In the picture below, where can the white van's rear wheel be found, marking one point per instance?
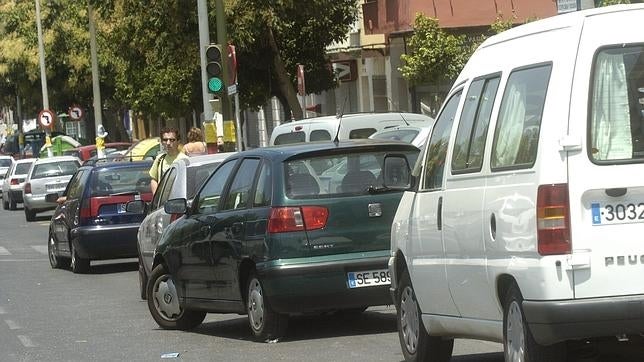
(416, 344)
(518, 343)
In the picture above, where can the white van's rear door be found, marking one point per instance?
(606, 177)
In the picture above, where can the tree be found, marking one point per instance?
(273, 36)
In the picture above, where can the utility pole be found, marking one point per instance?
(98, 109)
(222, 38)
(43, 79)
(204, 41)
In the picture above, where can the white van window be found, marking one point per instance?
(617, 105)
(361, 133)
(287, 138)
(473, 126)
(437, 146)
(517, 129)
(320, 135)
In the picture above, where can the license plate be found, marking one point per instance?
(55, 187)
(617, 213)
(370, 278)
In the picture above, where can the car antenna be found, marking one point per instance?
(404, 120)
(339, 116)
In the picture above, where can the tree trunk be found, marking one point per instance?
(283, 81)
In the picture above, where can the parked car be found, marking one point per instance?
(46, 175)
(5, 163)
(525, 223)
(264, 237)
(182, 180)
(416, 135)
(91, 221)
(89, 151)
(14, 182)
(348, 126)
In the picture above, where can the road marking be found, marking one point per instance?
(2, 310)
(40, 248)
(12, 324)
(4, 251)
(26, 341)
(44, 223)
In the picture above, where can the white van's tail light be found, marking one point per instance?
(553, 220)
(285, 219)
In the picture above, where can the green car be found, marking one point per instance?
(273, 232)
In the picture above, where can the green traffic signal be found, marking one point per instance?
(214, 68)
(215, 85)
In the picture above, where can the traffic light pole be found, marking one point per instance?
(222, 39)
(204, 40)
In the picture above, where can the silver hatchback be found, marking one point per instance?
(47, 175)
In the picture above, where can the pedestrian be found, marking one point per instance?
(195, 145)
(170, 143)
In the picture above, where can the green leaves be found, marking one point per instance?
(433, 53)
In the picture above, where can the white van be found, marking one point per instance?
(525, 224)
(356, 125)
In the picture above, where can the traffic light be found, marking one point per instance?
(214, 68)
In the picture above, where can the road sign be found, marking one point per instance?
(232, 89)
(75, 113)
(345, 70)
(46, 118)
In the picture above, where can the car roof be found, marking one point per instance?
(118, 164)
(285, 152)
(25, 160)
(194, 161)
(57, 159)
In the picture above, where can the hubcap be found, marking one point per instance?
(515, 335)
(255, 305)
(52, 255)
(165, 298)
(409, 323)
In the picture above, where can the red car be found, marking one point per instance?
(87, 152)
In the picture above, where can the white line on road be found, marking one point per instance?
(4, 251)
(26, 341)
(40, 248)
(12, 324)
(2, 310)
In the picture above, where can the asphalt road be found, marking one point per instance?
(55, 315)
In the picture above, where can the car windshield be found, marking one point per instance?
(22, 168)
(326, 176)
(121, 180)
(5, 162)
(53, 169)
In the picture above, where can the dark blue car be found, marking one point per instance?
(91, 221)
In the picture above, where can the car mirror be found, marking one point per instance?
(396, 172)
(175, 206)
(136, 207)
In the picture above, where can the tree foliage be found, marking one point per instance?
(434, 54)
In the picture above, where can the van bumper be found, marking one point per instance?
(556, 321)
(320, 286)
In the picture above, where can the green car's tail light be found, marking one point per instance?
(286, 219)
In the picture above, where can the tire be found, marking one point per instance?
(30, 215)
(163, 303)
(55, 261)
(12, 203)
(5, 203)
(78, 265)
(518, 342)
(143, 281)
(417, 345)
(264, 322)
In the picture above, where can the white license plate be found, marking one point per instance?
(370, 278)
(617, 213)
(55, 187)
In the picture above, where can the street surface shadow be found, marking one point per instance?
(329, 325)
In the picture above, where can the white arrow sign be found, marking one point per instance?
(75, 113)
(46, 118)
(341, 70)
